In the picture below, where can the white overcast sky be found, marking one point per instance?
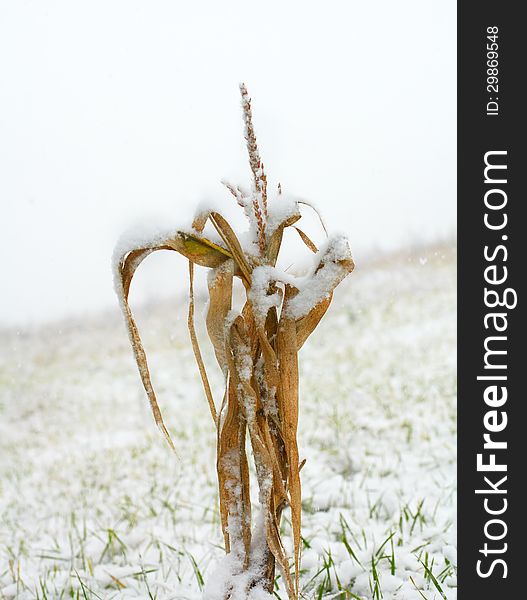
(112, 112)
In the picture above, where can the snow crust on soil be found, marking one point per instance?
(94, 504)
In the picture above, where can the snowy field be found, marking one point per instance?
(94, 505)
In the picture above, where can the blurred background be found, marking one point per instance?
(116, 113)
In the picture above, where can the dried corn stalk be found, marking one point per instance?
(258, 352)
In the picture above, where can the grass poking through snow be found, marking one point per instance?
(93, 505)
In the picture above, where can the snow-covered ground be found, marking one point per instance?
(94, 505)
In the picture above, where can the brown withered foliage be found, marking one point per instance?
(258, 353)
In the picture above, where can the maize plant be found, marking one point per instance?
(257, 351)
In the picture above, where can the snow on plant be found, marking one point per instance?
(257, 351)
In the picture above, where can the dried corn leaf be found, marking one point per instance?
(199, 250)
(314, 208)
(200, 220)
(246, 495)
(230, 469)
(288, 360)
(343, 259)
(275, 241)
(220, 302)
(196, 248)
(334, 265)
(307, 324)
(127, 266)
(307, 241)
(129, 263)
(231, 241)
(237, 508)
(195, 344)
(250, 328)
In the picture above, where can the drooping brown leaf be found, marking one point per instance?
(220, 303)
(195, 344)
(196, 249)
(315, 209)
(127, 266)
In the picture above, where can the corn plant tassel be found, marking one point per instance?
(256, 415)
